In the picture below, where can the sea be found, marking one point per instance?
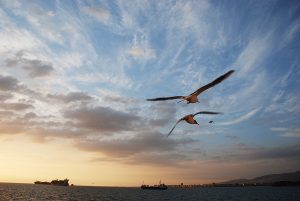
(28, 192)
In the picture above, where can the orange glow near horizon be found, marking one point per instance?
(24, 161)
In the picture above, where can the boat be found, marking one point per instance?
(42, 182)
(160, 186)
(55, 182)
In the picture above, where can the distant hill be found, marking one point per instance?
(267, 179)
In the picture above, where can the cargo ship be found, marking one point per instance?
(55, 182)
(160, 186)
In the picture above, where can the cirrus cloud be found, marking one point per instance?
(241, 118)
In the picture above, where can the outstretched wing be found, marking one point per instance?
(213, 83)
(207, 112)
(165, 98)
(174, 127)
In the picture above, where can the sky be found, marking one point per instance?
(75, 76)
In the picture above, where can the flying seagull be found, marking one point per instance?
(190, 119)
(193, 97)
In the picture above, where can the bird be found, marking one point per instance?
(193, 97)
(190, 119)
(211, 122)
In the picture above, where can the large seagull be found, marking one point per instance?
(190, 119)
(193, 97)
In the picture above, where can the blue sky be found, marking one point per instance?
(79, 72)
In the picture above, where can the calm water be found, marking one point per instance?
(41, 192)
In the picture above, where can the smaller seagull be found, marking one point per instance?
(211, 122)
(190, 119)
(193, 97)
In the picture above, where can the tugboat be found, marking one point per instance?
(154, 187)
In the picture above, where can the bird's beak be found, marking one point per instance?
(196, 122)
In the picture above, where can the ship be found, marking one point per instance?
(55, 182)
(160, 186)
(42, 182)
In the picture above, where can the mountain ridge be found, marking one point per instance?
(270, 178)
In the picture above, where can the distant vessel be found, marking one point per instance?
(154, 187)
(55, 182)
(42, 182)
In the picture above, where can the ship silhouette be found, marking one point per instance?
(160, 186)
(55, 182)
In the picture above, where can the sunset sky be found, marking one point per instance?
(75, 76)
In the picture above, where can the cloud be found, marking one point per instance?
(8, 83)
(39, 128)
(161, 114)
(99, 13)
(285, 101)
(285, 104)
(41, 21)
(142, 142)
(252, 55)
(291, 32)
(12, 128)
(103, 130)
(34, 67)
(37, 68)
(5, 96)
(14, 38)
(103, 119)
(15, 106)
(287, 132)
(30, 115)
(146, 147)
(241, 118)
(244, 152)
(189, 19)
(141, 52)
(112, 79)
(232, 137)
(140, 47)
(6, 114)
(71, 97)
(11, 86)
(53, 130)
(165, 159)
(292, 151)
(120, 99)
